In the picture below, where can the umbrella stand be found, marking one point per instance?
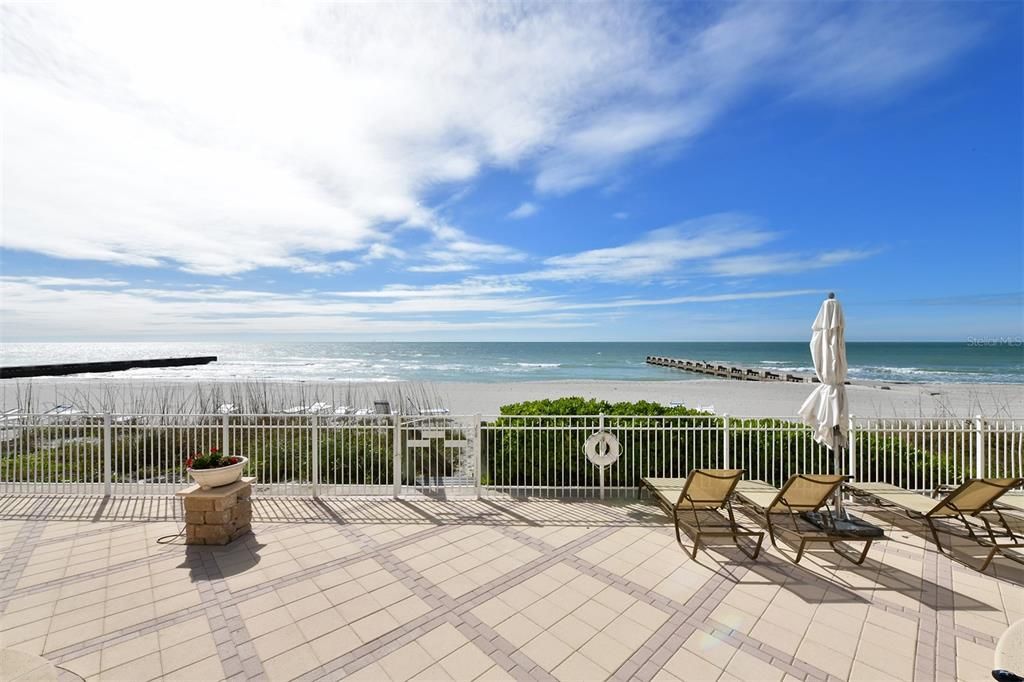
(837, 462)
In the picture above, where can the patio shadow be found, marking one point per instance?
(207, 563)
(847, 582)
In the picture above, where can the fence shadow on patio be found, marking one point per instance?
(486, 511)
(89, 508)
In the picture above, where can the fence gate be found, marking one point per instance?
(439, 456)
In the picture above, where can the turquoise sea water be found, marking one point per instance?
(1001, 362)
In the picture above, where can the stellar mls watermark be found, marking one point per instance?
(1011, 341)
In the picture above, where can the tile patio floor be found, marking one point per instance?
(491, 590)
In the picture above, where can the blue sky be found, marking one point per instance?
(511, 172)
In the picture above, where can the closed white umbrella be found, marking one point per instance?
(825, 410)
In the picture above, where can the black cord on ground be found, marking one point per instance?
(168, 539)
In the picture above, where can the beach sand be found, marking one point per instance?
(746, 399)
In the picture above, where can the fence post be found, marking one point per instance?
(315, 473)
(600, 469)
(979, 447)
(726, 443)
(851, 452)
(477, 448)
(224, 445)
(108, 476)
(397, 457)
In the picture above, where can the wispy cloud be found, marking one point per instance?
(826, 51)
(85, 282)
(87, 311)
(443, 267)
(325, 127)
(523, 210)
(706, 298)
(784, 263)
(659, 253)
(452, 246)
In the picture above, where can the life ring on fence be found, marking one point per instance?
(602, 448)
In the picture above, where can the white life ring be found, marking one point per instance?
(602, 448)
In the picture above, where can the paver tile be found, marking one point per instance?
(406, 662)
(578, 667)
(441, 641)
(466, 662)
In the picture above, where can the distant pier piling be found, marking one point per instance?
(27, 371)
(728, 372)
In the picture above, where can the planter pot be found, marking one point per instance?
(214, 478)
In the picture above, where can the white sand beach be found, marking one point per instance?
(748, 399)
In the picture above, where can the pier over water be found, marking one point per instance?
(26, 371)
(728, 371)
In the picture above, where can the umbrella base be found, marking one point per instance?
(848, 525)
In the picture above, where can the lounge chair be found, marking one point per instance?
(805, 494)
(704, 491)
(974, 499)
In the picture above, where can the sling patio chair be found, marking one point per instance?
(976, 498)
(703, 492)
(801, 498)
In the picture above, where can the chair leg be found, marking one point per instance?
(757, 547)
(1006, 526)
(800, 550)
(859, 560)
(771, 529)
(935, 534)
(988, 560)
(679, 539)
(984, 564)
(734, 527)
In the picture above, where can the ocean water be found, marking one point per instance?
(503, 362)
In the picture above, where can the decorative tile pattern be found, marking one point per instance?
(489, 590)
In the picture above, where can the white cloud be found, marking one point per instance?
(453, 246)
(443, 267)
(469, 287)
(783, 263)
(92, 282)
(879, 47)
(620, 215)
(706, 298)
(658, 254)
(220, 138)
(825, 50)
(383, 252)
(29, 307)
(524, 210)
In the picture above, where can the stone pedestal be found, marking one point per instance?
(218, 515)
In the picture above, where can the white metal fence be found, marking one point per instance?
(446, 456)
